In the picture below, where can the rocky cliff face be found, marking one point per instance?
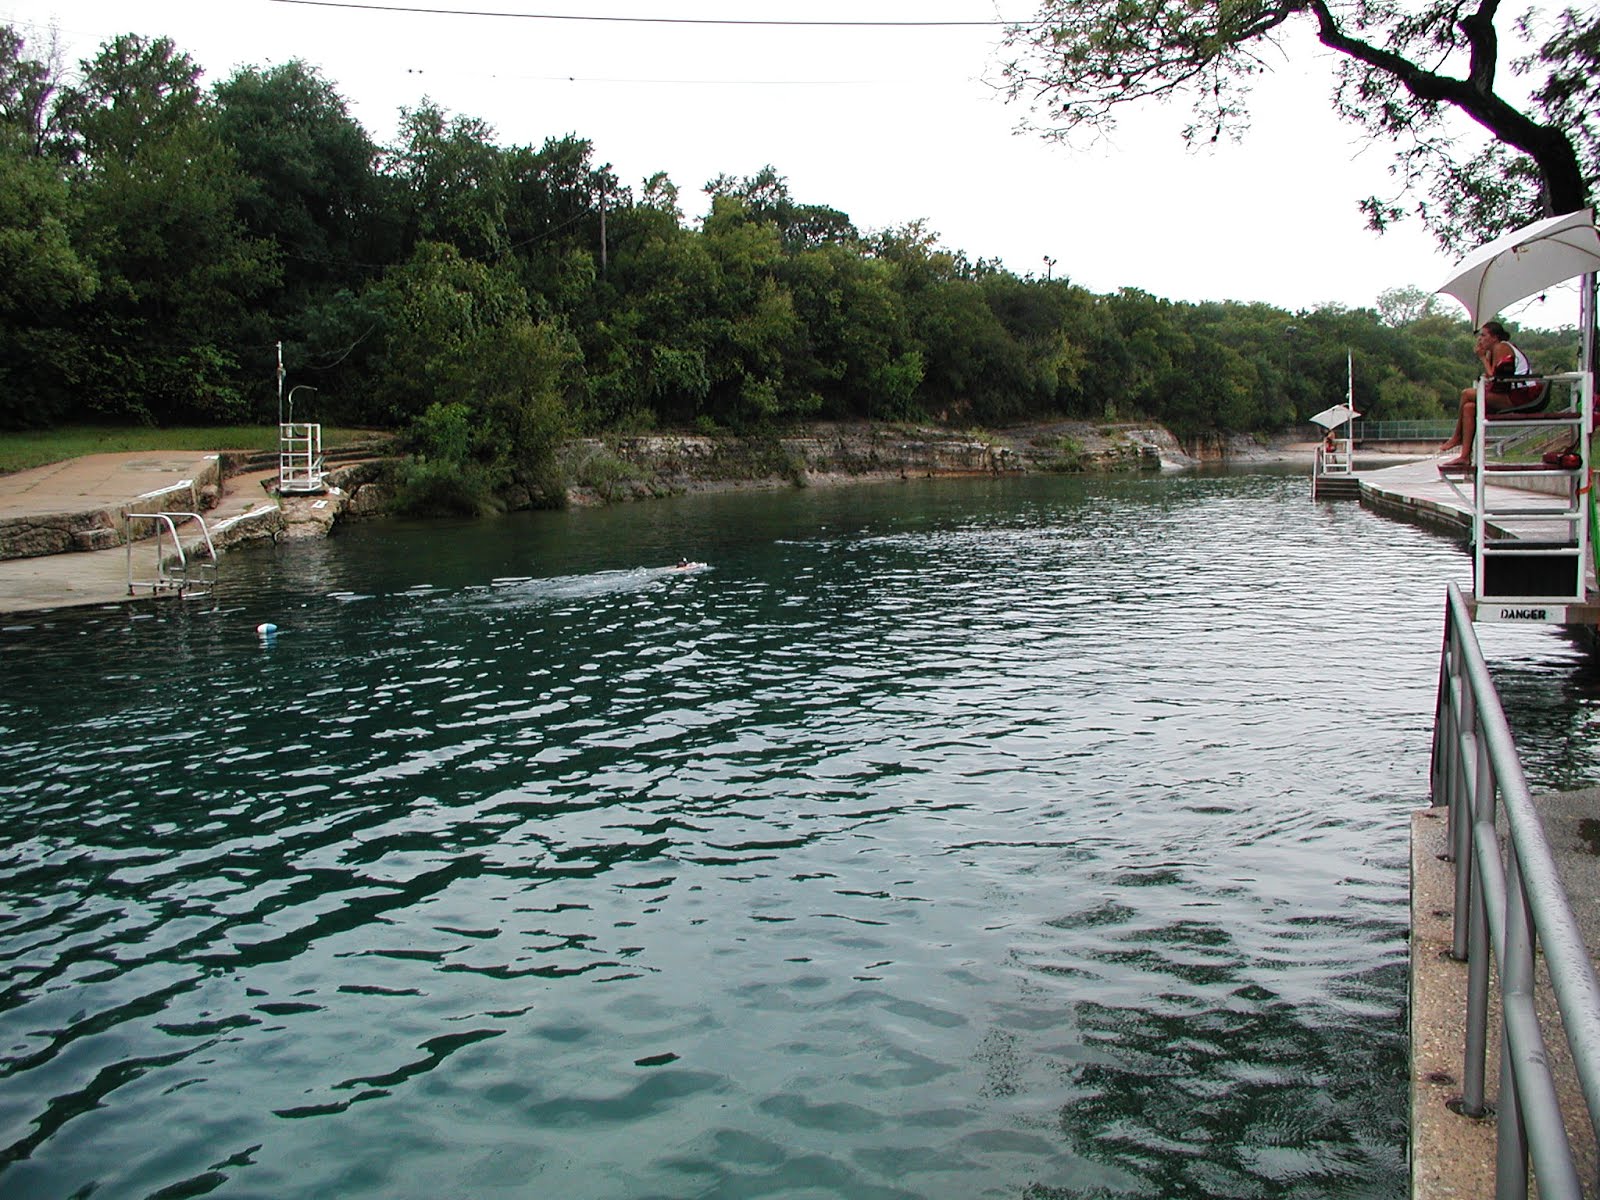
(614, 468)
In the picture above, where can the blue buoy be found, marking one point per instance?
(266, 629)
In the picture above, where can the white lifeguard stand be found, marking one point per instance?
(299, 446)
(1333, 470)
(1533, 511)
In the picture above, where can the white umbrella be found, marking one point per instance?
(1525, 261)
(1330, 418)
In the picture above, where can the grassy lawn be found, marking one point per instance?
(19, 451)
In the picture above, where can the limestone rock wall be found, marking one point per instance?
(610, 469)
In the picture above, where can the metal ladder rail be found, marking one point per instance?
(1565, 522)
(174, 582)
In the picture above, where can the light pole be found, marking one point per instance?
(1049, 265)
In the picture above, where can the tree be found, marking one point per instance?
(455, 181)
(766, 200)
(555, 198)
(855, 341)
(41, 276)
(752, 332)
(28, 88)
(481, 387)
(1402, 306)
(136, 92)
(309, 170)
(159, 197)
(1405, 72)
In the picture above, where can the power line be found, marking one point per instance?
(527, 16)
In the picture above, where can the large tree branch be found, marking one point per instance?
(1549, 147)
(1483, 44)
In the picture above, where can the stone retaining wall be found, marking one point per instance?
(38, 534)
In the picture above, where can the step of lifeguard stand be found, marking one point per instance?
(1336, 487)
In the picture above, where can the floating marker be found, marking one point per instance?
(267, 629)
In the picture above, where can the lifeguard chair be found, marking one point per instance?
(299, 446)
(1333, 470)
(1533, 510)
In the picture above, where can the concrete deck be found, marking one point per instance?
(67, 504)
(1416, 491)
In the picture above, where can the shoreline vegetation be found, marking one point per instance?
(209, 253)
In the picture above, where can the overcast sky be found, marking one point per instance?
(888, 124)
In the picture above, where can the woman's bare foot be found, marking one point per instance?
(1456, 464)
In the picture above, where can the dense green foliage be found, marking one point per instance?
(158, 240)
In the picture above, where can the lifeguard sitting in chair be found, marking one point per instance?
(1509, 390)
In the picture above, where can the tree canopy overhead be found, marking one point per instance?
(1407, 70)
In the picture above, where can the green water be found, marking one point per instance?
(1029, 838)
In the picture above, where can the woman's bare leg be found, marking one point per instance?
(1469, 401)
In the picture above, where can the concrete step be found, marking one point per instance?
(1337, 487)
(264, 460)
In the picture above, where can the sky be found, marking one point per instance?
(888, 124)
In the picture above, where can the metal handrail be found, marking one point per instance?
(165, 580)
(1506, 907)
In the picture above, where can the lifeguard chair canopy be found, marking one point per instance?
(1525, 261)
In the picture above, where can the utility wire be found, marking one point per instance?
(527, 16)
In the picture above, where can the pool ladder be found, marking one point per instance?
(186, 575)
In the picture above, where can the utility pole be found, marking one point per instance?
(602, 233)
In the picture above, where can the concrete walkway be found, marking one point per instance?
(49, 513)
(1416, 491)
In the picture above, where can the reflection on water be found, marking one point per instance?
(1029, 838)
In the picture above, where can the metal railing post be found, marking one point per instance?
(1469, 805)
(1443, 730)
(1474, 1101)
(1516, 975)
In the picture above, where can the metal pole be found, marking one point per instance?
(1478, 947)
(1475, 1055)
(1468, 803)
(1587, 319)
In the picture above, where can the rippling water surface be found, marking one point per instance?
(1036, 838)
